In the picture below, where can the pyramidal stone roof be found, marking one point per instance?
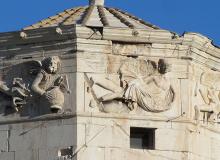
(94, 15)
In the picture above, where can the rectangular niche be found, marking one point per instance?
(142, 138)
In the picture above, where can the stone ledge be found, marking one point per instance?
(48, 117)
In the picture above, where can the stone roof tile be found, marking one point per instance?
(94, 16)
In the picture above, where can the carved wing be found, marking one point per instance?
(211, 79)
(133, 69)
(25, 72)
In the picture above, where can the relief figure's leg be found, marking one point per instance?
(197, 113)
(204, 93)
(106, 84)
(111, 96)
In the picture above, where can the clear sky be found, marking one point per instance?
(202, 16)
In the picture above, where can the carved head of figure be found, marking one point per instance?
(147, 67)
(163, 66)
(51, 64)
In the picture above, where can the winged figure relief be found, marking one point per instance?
(34, 83)
(143, 84)
(208, 88)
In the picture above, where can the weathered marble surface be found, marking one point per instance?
(185, 130)
(25, 86)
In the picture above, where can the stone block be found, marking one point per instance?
(90, 153)
(215, 147)
(58, 136)
(91, 62)
(48, 154)
(27, 154)
(201, 145)
(28, 138)
(133, 154)
(4, 141)
(172, 140)
(7, 156)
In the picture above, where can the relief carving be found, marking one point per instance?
(17, 94)
(143, 84)
(35, 81)
(208, 88)
(50, 85)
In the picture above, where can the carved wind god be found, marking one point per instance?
(143, 84)
(49, 85)
(208, 88)
(36, 81)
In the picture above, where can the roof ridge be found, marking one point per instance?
(102, 15)
(137, 19)
(38, 24)
(71, 15)
(121, 18)
(87, 14)
(93, 16)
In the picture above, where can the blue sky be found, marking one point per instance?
(202, 16)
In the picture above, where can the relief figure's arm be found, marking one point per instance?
(149, 79)
(162, 83)
(35, 86)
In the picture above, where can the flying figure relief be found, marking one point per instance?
(34, 80)
(50, 85)
(208, 87)
(143, 83)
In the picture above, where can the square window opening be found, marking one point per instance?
(142, 138)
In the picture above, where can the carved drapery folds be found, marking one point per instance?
(208, 88)
(143, 83)
(36, 81)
